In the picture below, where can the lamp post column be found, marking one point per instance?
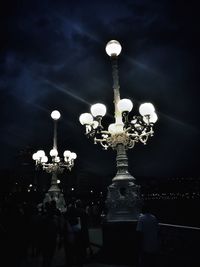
(116, 87)
(121, 159)
(122, 164)
(54, 192)
(54, 186)
(55, 135)
(123, 199)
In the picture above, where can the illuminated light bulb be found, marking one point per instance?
(73, 155)
(125, 105)
(53, 152)
(67, 153)
(40, 153)
(146, 109)
(152, 118)
(44, 159)
(98, 110)
(55, 115)
(86, 119)
(113, 48)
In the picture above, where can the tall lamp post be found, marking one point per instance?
(55, 166)
(123, 200)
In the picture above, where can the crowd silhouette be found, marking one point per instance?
(30, 231)
(33, 235)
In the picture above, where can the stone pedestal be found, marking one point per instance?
(123, 201)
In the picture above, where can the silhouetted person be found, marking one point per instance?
(78, 237)
(36, 232)
(147, 229)
(68, 240)
(14, 225)
(50, 232)
(84, 231)
(3, 238)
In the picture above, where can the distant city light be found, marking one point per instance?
(171, 195)
(72, 189)
(30, 185)
(91, 191)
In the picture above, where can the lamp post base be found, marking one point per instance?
(123, 201)
(55, 194)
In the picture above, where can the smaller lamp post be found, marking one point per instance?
(55, 166)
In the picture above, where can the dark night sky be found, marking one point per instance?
(53, 57)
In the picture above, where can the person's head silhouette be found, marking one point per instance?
(146, 209)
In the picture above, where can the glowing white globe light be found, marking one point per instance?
(44, 159)
(53, 152)
(114, 128)
(40, 153)
(58, 181)
(125, 105)
(67, 153)
(57, 159)
(113, 48)
(35, 156)
(152, 119)
(55, 115)
(95, 124)
(146, 109)
(73, 155)
(111, 128)
(98, 110)
(86, 118)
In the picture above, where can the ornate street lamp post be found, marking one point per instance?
(123, 201)
(55, 167)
